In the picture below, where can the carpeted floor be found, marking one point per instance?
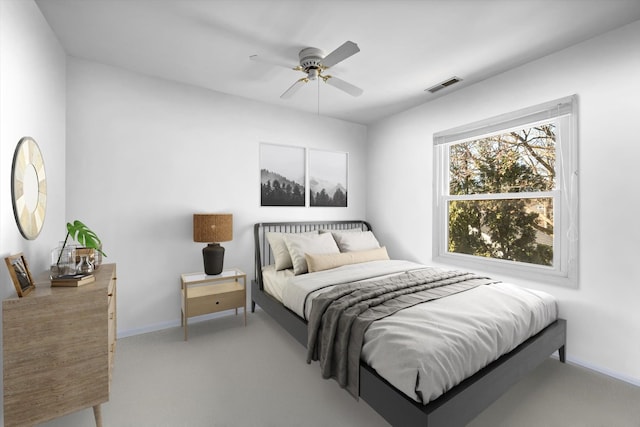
(229, 375)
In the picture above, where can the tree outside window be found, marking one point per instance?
(514, 164)
(506, 195)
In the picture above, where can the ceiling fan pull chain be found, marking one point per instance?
(318, 96)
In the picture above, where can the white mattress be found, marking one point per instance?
(275, 281)
(427, 349)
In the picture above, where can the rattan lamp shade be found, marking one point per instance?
(211, 229)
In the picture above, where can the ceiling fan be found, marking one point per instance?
(314, 63)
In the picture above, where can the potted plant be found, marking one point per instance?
(79, 232)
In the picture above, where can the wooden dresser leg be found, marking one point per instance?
(97, 413)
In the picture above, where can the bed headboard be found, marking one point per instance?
(263, 250)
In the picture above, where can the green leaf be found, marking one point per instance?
(85, 236)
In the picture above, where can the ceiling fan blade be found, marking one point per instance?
(342, 85)
(294, 88)
(347, 49)
(271, 61)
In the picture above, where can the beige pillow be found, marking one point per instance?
(299, 245)
(349, 241)
(346, 230)
(279, 248)
(328, 261)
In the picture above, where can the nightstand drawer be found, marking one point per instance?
(214, 302)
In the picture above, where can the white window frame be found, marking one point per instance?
(564, 271)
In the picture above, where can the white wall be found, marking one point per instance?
(144, 154)
(602, 314)
(32, 103)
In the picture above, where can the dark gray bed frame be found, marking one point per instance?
(456, 407)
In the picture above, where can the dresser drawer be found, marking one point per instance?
(112, 327)
(112, 324)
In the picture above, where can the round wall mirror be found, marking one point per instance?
(28, 188)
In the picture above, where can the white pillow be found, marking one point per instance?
(279, 248)
(350, 242)
(328, 261)
(299, 245)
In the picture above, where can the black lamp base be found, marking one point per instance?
(213, 256)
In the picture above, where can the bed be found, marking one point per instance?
(455, 406)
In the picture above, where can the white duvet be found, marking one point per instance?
(427, 349)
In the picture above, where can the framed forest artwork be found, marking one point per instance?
(282, 175)
(328, 178)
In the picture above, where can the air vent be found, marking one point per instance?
(446, 83)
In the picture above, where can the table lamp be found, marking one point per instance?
(212, 229)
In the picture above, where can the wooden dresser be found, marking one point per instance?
(58, 349)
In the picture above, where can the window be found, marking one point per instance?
(505, 194)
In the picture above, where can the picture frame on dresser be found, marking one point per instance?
(20, 274)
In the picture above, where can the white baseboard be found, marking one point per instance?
(170, 324)
(600, 370)
(604, 371)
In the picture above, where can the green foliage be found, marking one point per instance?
(83, 235)
(513, 228)
(79, 232)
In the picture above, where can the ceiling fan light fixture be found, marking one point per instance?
(312, 74)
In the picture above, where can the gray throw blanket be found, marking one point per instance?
(340, 317)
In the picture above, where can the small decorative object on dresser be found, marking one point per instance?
(20, 274)
(204, 294)
(62, 261)
(69, 258)
(90, 263)
(84, 265)
(73, 280)
(213, 228)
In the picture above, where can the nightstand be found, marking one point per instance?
(205, 294)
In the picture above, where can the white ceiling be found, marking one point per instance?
(406, 46)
